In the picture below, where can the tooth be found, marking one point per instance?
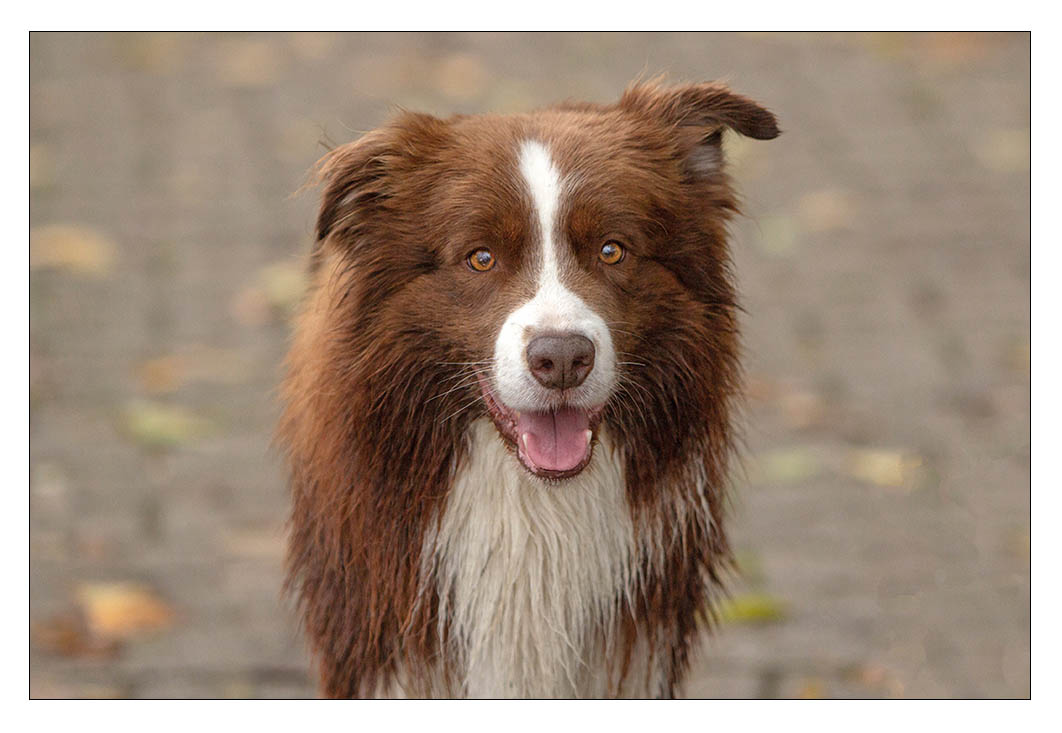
(589, 435)
(526, 455)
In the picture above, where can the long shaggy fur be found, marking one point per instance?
(426, 561)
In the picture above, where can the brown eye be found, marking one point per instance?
(611, 252)
(481, 260)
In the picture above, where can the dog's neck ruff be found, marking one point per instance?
(532, 577)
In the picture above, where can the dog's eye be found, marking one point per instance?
(611, 252)
(481, 260)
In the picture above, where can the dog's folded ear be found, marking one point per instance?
(699, 113)
(360, 177)
(353, 177)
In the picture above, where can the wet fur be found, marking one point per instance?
(390, 453)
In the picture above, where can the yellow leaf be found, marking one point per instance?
(812, 689)
(275, 293)
(122, 610)
(72, 248)
(283, 284)
(158, 425)
(751, 608)
(888, 468)
(779, 235)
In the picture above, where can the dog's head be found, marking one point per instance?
(555, 271)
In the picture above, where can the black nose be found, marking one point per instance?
(560, 360)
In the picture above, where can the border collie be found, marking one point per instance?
(508, 400)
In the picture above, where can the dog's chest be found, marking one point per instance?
(531, 577)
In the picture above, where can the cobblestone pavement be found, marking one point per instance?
(882, 518)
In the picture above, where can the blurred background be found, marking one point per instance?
(882, 515)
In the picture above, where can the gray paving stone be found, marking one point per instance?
(884, 270)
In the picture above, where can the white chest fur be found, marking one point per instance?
(531, 576)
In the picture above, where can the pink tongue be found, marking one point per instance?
(554, 441)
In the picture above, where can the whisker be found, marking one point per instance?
(471, 373)
(462, 385)
(459, 411)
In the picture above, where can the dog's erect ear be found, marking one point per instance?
(359, 178)
(699, 114)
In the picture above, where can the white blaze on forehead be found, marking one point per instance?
(544, 183)
(554, 307)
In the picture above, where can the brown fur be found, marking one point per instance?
(373, 439)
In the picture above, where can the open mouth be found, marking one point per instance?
(552, 443)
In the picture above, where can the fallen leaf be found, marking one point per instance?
(939, 50)
(1017, 356)
(888, 468)
(953, 49)
(72, 248)
(160, 375)
(787, 465)
(750, 608)
(275, 293)
(812, 689)
(778, 235)
(238, 689)
(284, 284)
(45, 689)
(158, 425)
(122, 610)
(265, 543)
(69, 635)
(875, 677)
(194, 363)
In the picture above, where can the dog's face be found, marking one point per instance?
(569, 267)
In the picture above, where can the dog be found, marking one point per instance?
(508, 400)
